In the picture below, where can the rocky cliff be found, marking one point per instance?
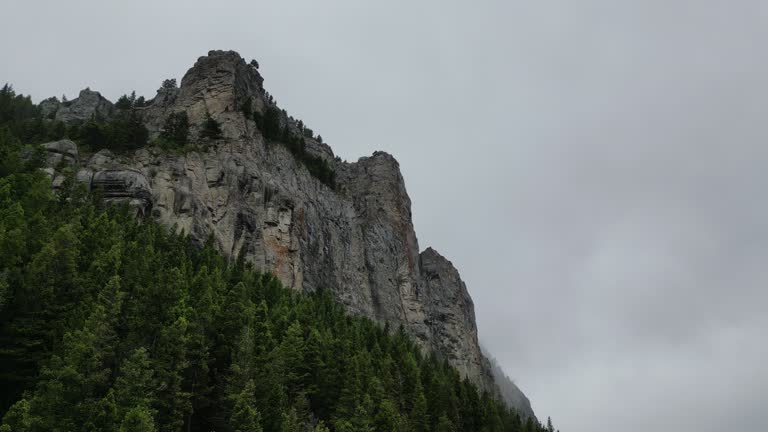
(509, 391)
(253, 197)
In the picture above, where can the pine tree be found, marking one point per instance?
(176, 128)
(291, 422)
(243, 371)
(419, 414)
(211, 129)
(389, 419)
(174, 400)
(245, 417)
(17, 418)
(444, 424)
(289, 358)
(321, 427)
(105, 417)
(134, 387)
(67, 394)
(168, 84)
(138, 419)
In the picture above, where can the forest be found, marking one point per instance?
(109, 323)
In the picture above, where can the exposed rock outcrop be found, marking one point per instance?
(124, 185)
(254, 198)
(509, 391)
(61, 152)
(88, 105)
(218, 85)
(452, 316)
(49, 106)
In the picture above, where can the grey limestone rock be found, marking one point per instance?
(117, 183)
(49, 106)
(452, 316)
(510, 393)
(88, 105)
(123, 185)
(218, 85)
(62, 151)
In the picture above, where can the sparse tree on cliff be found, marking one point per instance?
(169, 84)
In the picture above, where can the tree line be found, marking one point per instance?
(274, 126)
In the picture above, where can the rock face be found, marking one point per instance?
(452, 316)
(88, 105)
(218, 85)
(509, 391)
(254, 198)
(49, 107)
(61, 152)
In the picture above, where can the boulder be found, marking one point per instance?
(61, 152)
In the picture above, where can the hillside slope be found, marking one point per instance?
(263, 187)
(110, 323)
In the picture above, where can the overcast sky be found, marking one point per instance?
(596, 170)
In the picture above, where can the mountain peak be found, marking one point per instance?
(264, 188)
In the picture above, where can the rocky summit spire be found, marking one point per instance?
(217, 86)
(255, 193)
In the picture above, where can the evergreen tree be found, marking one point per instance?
(320, 427)
(291, 422)
(67, 394)
(289, 359)
(389, 418)
(168, 84)
(211, 129)
(17, 418)
(138, 419)
(176, 128)
(174, 401)
(245, 417)
(247, 108)
(134, 387)
(444, 424)
(419, 414)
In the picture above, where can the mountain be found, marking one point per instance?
(113, 323)
(217, 159)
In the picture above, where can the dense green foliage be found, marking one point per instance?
(108, 324)
(127, 102)
(176, 129)
(124, 131)
(23, 119)
(271, 125)
(169, 84)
